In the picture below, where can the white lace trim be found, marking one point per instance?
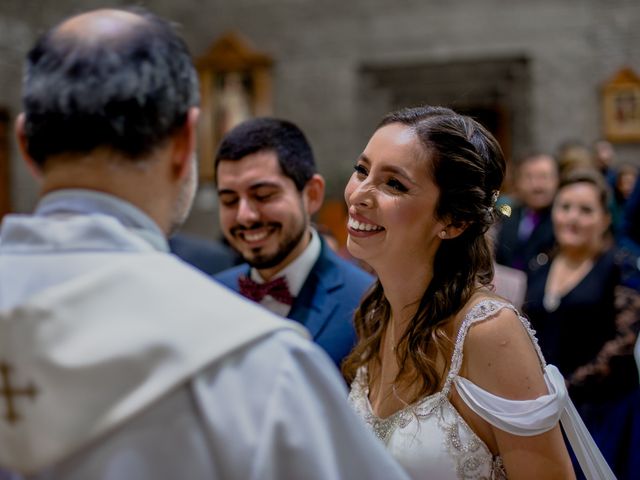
(470, 456)
(483, 310)
(384, 427)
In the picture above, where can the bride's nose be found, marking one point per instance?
(361, 194)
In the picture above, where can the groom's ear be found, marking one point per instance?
(313, 193)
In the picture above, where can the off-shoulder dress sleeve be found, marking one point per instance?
(528, 417)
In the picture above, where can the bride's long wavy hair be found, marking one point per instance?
(466, 163)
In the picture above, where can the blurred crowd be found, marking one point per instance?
(574, 233)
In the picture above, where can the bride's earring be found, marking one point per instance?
(443, 234)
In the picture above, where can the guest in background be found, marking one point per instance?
(630, 253)
(571, 303)
(573, 154)
(637, 355)
(630, 240)
(604, 157)
(525, 238)
(624, 180)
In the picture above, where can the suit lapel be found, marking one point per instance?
(314, 305)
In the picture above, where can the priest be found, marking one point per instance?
(117, 360)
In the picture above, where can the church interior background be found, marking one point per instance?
(536, 73)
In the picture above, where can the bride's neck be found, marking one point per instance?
(403, 291)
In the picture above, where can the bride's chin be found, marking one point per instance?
(355, 250)
(359, 253)
(351, 247)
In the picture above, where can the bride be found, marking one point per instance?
(446, 373)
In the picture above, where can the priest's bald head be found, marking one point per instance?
(110, 103)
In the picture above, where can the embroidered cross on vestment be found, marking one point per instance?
(10, 392)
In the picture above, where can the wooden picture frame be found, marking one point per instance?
(621, 107)
(235, 84)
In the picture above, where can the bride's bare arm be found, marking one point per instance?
(500, 358)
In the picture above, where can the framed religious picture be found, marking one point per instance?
(621, 107)
(235, 84)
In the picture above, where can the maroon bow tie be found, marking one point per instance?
(277, 288)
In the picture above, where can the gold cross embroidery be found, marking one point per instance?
(10, 393)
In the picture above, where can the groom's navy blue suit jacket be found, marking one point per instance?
(326, 303)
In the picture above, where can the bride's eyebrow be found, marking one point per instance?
(398, 172)
(363, 158)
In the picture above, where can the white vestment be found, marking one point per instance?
(144, 368)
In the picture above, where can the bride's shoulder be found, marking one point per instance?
(500, 355)
(497, 345)
(487, 321)
(485, 305)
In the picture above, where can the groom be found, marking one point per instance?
(269, 188)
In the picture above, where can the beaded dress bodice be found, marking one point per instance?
(429, 438)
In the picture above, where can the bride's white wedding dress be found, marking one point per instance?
(431, 440)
